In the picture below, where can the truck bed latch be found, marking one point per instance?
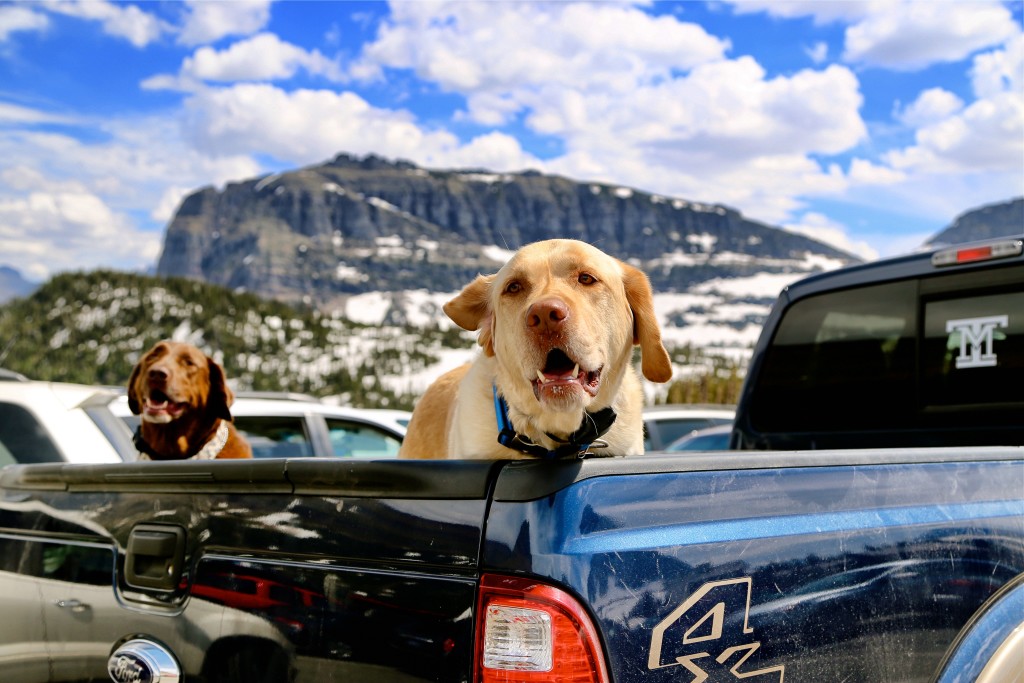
(155, 558)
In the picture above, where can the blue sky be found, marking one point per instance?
(870, 124)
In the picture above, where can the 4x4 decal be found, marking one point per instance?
(711, 623)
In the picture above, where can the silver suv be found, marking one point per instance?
(59, 422)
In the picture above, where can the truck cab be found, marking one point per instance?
(923, 350)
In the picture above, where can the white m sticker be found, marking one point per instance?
(976, 340)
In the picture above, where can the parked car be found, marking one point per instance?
(710, 439)
(664, 424)
(72, 581)
(296, 426)
(59, 422)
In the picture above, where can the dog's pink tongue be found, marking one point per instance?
(566, 375)
(165, 406)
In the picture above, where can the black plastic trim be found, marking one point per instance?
(412, 479)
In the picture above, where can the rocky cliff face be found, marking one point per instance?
(355, 225)
(1005, 219)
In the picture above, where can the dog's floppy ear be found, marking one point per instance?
(471, 310)
(220, 398)
(133, 398)
(656, 365)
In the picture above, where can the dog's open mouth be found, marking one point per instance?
(158, 407)
(561, 373)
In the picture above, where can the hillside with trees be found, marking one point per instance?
(92, 328)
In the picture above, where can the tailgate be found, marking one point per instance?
(271, 570)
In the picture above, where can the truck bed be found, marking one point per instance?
(851, 565)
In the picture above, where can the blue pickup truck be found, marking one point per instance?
(867, 527)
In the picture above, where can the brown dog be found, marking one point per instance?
(184, 402)
(557, 324)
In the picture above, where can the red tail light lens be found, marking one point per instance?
(529, 632)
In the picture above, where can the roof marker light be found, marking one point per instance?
(985, 252)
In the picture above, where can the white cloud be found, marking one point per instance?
(136, 158)
(70, 228)
(207, 22)
(901, 34)
(985, 136)
(821, 12)
(16, 114)
(121, 20)
(864, 172)
(1000, 71)
(963, 155)
(66, 203)
(308, 126)
(15, 18)
(817, 52)
(512, 49)
(264, 57)
(724, 133)
(912, 35)
(934, 104)
(820, 227)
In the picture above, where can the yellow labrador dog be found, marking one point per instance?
(557, 324)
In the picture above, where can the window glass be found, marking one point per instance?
(357, 440)
(676, 428)
(113, 428)
(974, 351)
(844, 361)
(23, 439)
(80, 564)
(275, 436)
(703, 442)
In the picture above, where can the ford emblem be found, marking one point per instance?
(143, 661)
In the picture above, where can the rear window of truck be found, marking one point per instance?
(885, 357)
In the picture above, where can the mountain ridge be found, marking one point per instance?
(13, 284)
(353, 225)
(1001, 219)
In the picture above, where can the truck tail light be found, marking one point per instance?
(529, 632)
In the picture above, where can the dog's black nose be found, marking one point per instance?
(547, 315)
(157, 374)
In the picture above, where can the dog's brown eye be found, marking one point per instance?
(513, 287)
(586, 279)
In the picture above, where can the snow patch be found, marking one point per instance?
(498, 254)
(347, 273)
(488, 178)
(266, 181)
(382, 205)
(761, 285)
(704, 240)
